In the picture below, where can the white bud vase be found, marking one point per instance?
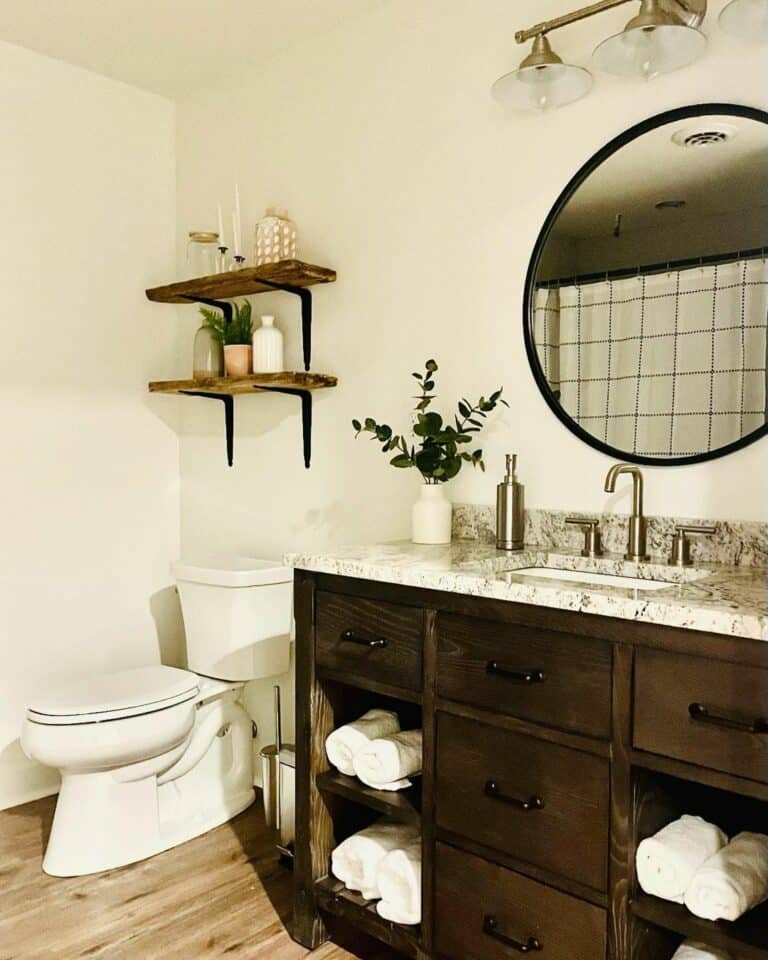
(268, 348)
(431, 516)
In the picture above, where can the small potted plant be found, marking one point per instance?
(436, 451)
(235, 337)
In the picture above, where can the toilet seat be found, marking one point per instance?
(114, 696)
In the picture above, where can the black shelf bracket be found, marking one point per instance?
(224, 305)
(305, 296)
(306, 416)
(229, 416)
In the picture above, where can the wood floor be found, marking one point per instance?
(221, 895)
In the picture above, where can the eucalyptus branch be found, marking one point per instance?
(437, 457)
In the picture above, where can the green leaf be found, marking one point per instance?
(402, 461)
(370, 423)
(357, 425)
(431, 366)
(429, 385)
(464, 409)
(417, 375)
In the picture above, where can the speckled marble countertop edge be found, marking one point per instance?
(723, 599)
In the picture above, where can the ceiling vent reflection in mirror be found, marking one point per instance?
(663, 36)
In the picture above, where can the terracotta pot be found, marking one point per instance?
(237, 359)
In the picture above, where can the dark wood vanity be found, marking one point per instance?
(553, 743)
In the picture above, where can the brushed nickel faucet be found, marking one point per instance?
(636, 543)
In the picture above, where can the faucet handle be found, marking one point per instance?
(591, 527)
(681, 545)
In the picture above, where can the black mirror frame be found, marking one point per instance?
(669, 116)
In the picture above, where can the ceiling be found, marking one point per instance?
(171, 47)
(653, 168)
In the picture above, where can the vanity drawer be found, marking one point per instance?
(490, 782)
(706, 712)
(550, 678)
(478, 905)
(370, 639)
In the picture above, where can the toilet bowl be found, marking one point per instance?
(154, 756)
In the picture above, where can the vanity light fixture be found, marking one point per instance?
(542, 81)
(664, 36)
(656, 41)
(746, 20)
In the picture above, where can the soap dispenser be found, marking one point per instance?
(510, 509)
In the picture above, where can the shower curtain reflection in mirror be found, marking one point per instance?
(663, 364)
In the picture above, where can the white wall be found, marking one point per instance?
(382, 140)
(89, 475)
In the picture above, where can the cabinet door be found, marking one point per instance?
(485, 912)
(539, 802)
(707, 712)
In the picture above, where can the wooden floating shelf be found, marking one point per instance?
(334, 898)
(745, 938)
(243, 283)
(254, 383)
(402, 805)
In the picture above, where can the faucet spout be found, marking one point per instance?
(636, 545)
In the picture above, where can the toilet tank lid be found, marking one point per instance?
(232, 571)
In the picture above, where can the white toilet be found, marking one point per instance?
(154, 756)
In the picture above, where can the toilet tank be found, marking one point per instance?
(237, 616)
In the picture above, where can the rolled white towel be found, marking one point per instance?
(667, 861)
(386, 763)
(699, 951)
(356, 861)
(399, 880)
(732, 881)
(342, 745)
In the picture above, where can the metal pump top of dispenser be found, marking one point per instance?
(510, 509)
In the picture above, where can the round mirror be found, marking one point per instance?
(646, 307)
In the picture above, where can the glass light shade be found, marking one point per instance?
(543, 87)
(649, 51)
(746, 19)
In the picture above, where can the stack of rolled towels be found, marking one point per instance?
(691, 861)
(384, 863)
(376, 750)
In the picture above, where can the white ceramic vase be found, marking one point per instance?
(268, 347)
(431, 516)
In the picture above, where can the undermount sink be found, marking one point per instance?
(595, 579)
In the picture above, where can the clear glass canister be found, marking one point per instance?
(207, 355)
(275, 237)
(202, 253)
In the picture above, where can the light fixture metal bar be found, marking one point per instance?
(690, 12)
(581, 14)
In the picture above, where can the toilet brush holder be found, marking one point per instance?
(278, 777)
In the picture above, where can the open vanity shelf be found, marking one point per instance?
(401, 805)
(289, 276)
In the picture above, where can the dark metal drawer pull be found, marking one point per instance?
(491, 929)
(520, 676)
(349, 636)
(700, 713)
(532, 803)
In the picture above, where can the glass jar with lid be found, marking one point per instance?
(202, 253)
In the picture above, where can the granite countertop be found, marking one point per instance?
(711, 597)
